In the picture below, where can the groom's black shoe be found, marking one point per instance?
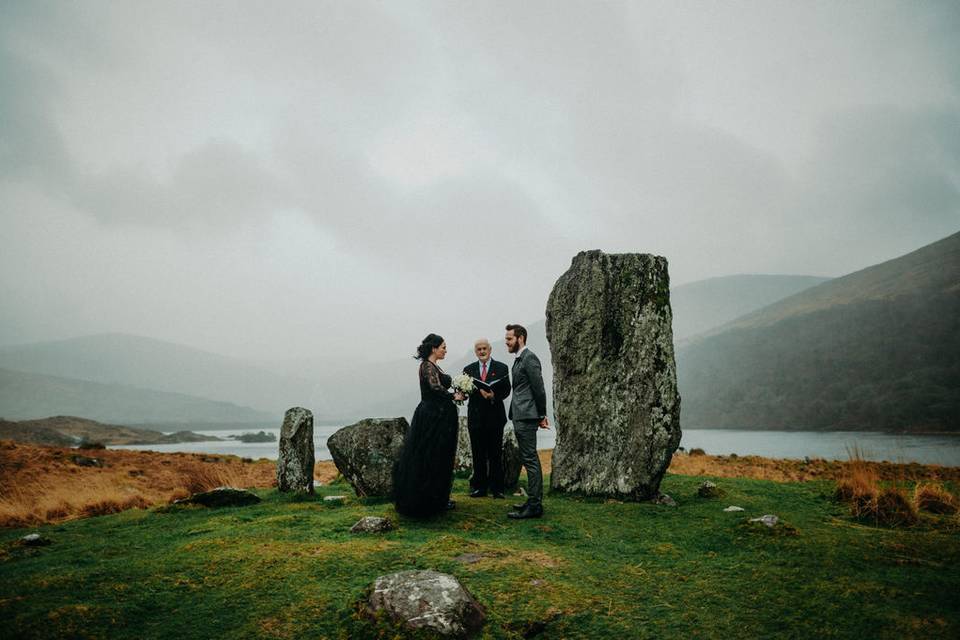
(520, 506)
(529, 511)
(476, 493)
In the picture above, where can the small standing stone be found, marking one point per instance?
(335, 499)
(428, 599)
(296, 459)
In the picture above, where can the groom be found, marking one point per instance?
(528, 410)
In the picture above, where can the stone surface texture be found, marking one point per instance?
(365, 452)
(222, 497)
(616, 404)
(510, 457)
(428, 600)
(372, 524)
(296, 459)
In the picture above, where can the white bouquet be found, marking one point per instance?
(464, 384)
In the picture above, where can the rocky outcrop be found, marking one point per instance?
(365, 452)
(427, 600)
(296, 459)
(614, 381)
(222, 497)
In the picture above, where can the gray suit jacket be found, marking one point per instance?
(529, 400)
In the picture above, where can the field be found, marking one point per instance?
(289, 568)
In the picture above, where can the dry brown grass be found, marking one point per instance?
(932, 497)
(41, 484)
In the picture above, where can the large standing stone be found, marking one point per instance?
(615, 381)
(295, 463)
(365, 452)
(427, 599)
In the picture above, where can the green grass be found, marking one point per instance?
(590, 569)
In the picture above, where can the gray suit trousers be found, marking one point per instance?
(526, 432)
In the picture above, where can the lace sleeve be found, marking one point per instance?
(430, 374)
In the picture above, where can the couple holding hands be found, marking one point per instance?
(423, 476)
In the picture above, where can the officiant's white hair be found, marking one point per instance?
(480, 341)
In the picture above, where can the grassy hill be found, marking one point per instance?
(27, 395)
(68, 430)
(289, 568)
(706, 304)
(878, 349)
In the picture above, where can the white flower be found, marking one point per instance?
(464, 384)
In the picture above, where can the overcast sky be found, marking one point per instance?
(340, 178)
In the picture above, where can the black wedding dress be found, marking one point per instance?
(423, 476)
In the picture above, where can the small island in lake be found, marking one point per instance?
(260, 436)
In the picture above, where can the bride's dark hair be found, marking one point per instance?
(431, 342)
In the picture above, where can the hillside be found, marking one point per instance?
(119, 359)
(69, 430)
(706, 304)
(878, 349)
(27, 395)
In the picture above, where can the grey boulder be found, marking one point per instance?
(427, 600)
(366, 451)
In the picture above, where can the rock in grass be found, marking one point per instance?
(709, 490)
(614, 375)
(372, 524)
(768, 520)
(296, 459)
(86, 461)
(664, 499)
(365, 452)
(35, 540)
(427, 600)
(335, 499)
(733, 508)
(222, 497)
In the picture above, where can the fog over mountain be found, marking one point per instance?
(329, 181)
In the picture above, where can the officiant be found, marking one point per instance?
(485, 420)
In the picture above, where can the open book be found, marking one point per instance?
(487, 386)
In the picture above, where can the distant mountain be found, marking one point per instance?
(120, 359)
(706, 304)
(29, 395)
(70, 430)
(878, 349)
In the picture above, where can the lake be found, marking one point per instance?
(830, 445)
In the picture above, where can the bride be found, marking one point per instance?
(423, 476)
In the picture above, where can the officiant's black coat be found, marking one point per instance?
(483, 413)
(485, 422)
